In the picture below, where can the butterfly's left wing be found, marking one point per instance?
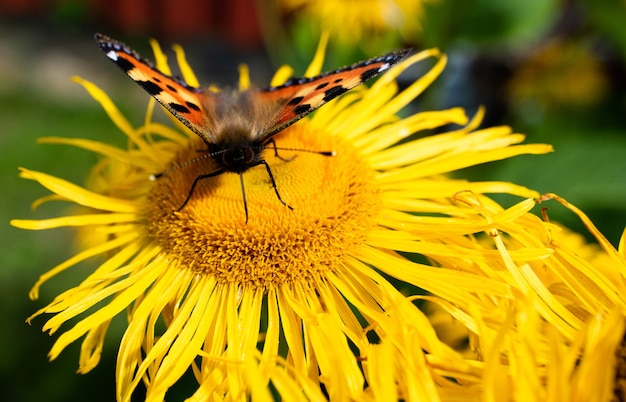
(192, 106)
(301, 96)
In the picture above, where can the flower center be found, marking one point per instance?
(334, 199)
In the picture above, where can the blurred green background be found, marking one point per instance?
(554, 70)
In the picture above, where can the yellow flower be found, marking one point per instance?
(530, 360)
(553, 336)
(300, 298)
(560, 74)
(359, 21)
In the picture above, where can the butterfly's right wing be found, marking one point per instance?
(192, 106)
(300, 96)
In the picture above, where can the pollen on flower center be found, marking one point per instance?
(335, 201)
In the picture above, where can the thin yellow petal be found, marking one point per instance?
(292, 327)
(91, 348)
(107, 104)
(416, 88)
(255, 379)
(74, 220)
(142, 326)
(83, 255)
(385, 136)
(164, 131)
(188, 75)
(604, 243)
(381, 371)
(160, 58)
(190, 326)
(40, 201)
(272, 332)
(102, 149)
(244, 77)
(315, 67)
(78, 194)
(132, 288)
(113, 112)
(449, 163)
(281, 75)
(96, 288)
(334, 359)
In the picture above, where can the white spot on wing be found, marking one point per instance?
(112, 55)
(383, 67)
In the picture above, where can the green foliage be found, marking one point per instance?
(488, 23)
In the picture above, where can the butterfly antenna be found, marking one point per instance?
(276, 149)
(179, 166)
(323, 153)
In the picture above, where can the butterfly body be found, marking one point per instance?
(233, 136)
(237, 126)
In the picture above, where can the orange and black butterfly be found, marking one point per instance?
(237, 126)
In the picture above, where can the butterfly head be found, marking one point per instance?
(236, 157)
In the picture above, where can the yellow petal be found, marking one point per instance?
(244, 77)
(80, 195)
(160, 58)
(188, 75)
(315, 67)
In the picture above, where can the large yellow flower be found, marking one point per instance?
(301, 298)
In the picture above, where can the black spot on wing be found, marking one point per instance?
(171, 88)
(193, 106)
(179, 108)
(366, 75)
(390, 59)
(150, 87)
(302, 109)
(124, 64)
(295, 101)
(334, 92)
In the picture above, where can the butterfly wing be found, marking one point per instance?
(190, 105)
(301, 96)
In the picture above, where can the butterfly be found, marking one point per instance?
(237, 126)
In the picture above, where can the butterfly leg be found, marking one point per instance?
(269, 173)
(195, 183)
(243, 194)
(243, 187)
(271, 141)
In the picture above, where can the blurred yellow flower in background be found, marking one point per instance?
(356, 28)
(560, 74)
(352, 21)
